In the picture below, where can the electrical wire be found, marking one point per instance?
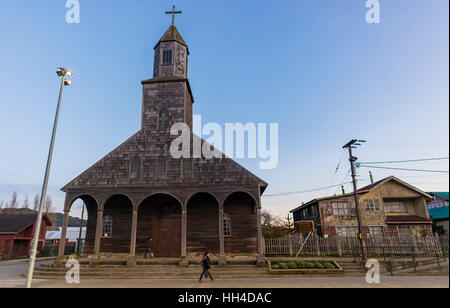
(402, 169)
(403, 161)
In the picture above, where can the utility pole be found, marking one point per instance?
(351, 145)
(81, 230)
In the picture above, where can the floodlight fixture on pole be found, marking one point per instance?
(61, 72)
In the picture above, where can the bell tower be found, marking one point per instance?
(171, 52)
(167, 97)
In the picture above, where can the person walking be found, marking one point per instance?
(148, 252)
(206, 264)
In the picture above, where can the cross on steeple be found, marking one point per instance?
(173, 12)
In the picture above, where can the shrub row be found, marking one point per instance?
(303, 265)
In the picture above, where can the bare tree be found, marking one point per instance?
(14, 204)
(270, 220)
(36, 203)
(48, 205)
(26, 205)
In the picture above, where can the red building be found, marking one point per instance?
(17, 232)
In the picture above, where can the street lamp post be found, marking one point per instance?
(62, 72)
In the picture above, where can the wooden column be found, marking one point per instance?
(261, 260)
(222, 257)
(98, 233)
(184, 261)
(132, 257)
(184, 233)
(62, 244)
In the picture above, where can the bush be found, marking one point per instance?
(283, 265)
(275, 266)
(292, 265)
(319, 265)
(329, 265)
(309, 265)
(300, 264)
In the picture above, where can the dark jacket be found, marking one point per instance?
(206, 263)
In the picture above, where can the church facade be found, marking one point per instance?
(187, 206)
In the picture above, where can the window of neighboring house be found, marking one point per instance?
(373, 205)
(376, 230)
(226, 225)
(341, 209)
(163, 121)
(347, 231)
(107, 226)
(167, 57)
(396, 207)
(7, 249)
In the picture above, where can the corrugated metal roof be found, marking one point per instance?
(439, 213)
(72, 234)
(443, 195)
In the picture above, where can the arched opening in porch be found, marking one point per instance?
(203, 224)
(240, 224)
(117, 221)
(159, 226)
(89, 212)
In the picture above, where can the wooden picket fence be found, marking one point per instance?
(345, 246)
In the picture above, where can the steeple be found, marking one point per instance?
(171, 53)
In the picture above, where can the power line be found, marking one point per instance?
(342, 183)
(402, 169)
(337, 168)
(303, 191)
(403, 161)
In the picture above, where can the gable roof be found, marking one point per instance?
(15, 223)
(113, 169)
(375, 185)
(365, 190)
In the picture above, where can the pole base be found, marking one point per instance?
(222, 261)
(94, 260)
(131, 261)
(261, 261)
(184, 262)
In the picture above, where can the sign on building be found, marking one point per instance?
(305, 227)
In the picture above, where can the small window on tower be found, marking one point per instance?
(163, 119)
(167, 57)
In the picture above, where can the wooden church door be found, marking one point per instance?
(167, 233)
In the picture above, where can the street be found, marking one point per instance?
(12, 273)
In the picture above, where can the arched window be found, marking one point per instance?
(161, 167)
(187, 168)
(135, 169)
(107, 226)
(226, 225)
(163, 121)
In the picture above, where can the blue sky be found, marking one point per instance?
(313, 66)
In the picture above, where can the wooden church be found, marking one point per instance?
(139, 191)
